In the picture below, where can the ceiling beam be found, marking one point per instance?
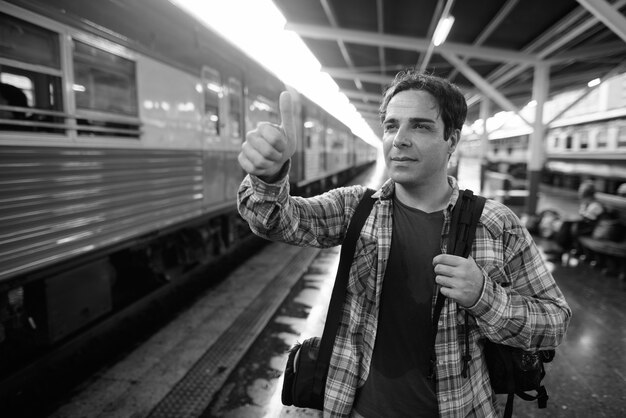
(560, 33)
(349, 75)
(372, 108)
(374, 116)
(567, 35)
(607, 14)
(589, 52)
(557, 36)
(482, 84)
(564, 31)
(559, 82)
(439, 13)
(342, 46)
(490, 28)
(380, 28)
(354, 94)
(410, 43)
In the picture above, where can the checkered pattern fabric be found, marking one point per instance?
(520, 304)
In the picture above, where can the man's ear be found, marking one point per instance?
(453, 140)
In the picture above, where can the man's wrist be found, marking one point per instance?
(274, 178)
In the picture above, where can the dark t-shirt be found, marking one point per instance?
(397, 385)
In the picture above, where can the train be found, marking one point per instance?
(120, 126)
(585, 139)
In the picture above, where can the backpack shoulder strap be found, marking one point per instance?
(465, 216)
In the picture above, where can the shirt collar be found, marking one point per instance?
(386, 191)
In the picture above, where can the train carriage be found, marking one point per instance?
(120, 126)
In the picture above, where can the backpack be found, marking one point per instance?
(511, 370)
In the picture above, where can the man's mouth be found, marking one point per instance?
(402, 159)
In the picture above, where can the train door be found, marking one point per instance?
(236, 133)
(342, 149)
(352, 151)
(313, 145)
(213, 127)
(334, 147)
(620, 136)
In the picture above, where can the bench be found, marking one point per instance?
(607, 252)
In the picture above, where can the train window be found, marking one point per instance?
(30, 101)
(601, 138)
(259, 109)
(24, 42)
(313, 134)
(568, 142)
(30, 77)
(235, 101)
(21, 82)
(583, 140)
(212, 87)
(621, 137)
(104, 83)
(15, 101)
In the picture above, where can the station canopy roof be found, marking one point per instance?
(491, 50)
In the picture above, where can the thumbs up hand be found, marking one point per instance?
(269, 146)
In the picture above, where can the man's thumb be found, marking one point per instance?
(288, 120)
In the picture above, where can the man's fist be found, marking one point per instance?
(269, 146)
(460, 278)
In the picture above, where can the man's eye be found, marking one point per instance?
(389, 127)
(419, 125)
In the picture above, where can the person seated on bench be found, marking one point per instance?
(589, 213)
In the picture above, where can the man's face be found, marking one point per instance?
(414, 146)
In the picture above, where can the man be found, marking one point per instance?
(380, 365)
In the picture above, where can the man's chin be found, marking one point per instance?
(404, 179)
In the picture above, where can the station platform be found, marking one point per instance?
(224, 355)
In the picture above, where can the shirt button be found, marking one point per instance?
(440, 362)
(445, 399)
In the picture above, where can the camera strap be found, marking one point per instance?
(339, 290)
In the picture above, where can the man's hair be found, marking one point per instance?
(449, 98)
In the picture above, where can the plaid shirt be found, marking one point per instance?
(520, 303)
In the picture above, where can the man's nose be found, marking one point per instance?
(401, 139)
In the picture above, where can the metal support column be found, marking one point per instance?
(485, 106)
(536, 155)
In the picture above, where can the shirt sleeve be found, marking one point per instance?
(319, 221)
(521, 304)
